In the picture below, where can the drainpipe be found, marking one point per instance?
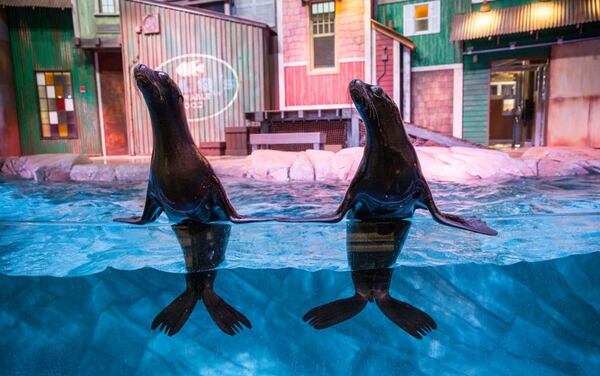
(75, 15)
(100, 113)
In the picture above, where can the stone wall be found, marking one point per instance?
(432, 100)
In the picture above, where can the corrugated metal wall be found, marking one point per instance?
(41, 40)
(476, 105)
(243, 46)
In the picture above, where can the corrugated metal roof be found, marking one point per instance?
(202, 12)
(37, 3)
(525, 18)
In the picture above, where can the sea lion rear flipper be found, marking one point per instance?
(412, 320)
(227, 318)
(174, 316)
(473, 224)
(151, 212)
(333, 313)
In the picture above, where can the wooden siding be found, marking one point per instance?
(304, 89)
(432, 49)
(243, 45)
(574, 100)
(41, 40)
(9, 125)
(90, 23)
(384, 71)
(476, 105)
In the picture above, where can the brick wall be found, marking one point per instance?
(432, 100)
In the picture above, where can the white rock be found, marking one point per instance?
(322, 162)
(93, 172)
(132, 172)
(232, 167)
(271, 164)
(53, 167)
(549, 167)
(344, 161)
(302, 169)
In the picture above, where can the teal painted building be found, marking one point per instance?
(487, 75)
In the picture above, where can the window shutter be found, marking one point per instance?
(408, 26)
(434, 14)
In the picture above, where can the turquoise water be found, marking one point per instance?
(80, 293)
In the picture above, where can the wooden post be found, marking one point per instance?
(352, 131)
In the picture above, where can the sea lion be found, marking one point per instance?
(204, 247)
(181, 183)
(389, 183)
(372, 248)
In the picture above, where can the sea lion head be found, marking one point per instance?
(160, 92)
(376, 108)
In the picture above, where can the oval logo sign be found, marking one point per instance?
(209, 85)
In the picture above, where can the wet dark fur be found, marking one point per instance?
(389, 183)
(181, 183)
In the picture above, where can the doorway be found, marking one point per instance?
(109, 70)
(518, 102)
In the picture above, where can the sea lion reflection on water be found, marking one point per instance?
(181, 183)
(389, 183)
(204, 248)
(372, 248)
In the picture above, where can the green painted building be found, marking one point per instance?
(54, 83)
(485, 72)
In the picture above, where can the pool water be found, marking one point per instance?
(80, 293)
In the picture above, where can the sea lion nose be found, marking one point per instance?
(356, 83)
(140, 69)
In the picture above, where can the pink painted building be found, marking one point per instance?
(324, 45)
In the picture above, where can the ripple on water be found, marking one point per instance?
(67, 229)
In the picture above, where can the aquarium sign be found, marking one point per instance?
(209, 85)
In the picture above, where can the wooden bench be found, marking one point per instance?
(315, 138)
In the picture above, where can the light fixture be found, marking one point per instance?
(485, 7)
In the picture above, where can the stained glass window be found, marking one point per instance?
(57, 110)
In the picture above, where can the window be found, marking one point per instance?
(422, 18)
(107, 6)
(322, 21)
(57, 110)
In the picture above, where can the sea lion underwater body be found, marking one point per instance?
(181, 183)
(373, 247)
(389, 183)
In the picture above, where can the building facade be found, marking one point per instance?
(515, 72)
(54, 85)
(507, 72)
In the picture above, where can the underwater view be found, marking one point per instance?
(83, 294)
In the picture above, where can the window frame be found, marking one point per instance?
(312, 70)
(433, 19)
(98, 10)
(39, 109)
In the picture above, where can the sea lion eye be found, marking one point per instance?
(376, 90)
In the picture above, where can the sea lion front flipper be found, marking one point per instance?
(227, 318)
(174, 316)
(473, 224)
(411, 319)
(151, 212)
(333, 313)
